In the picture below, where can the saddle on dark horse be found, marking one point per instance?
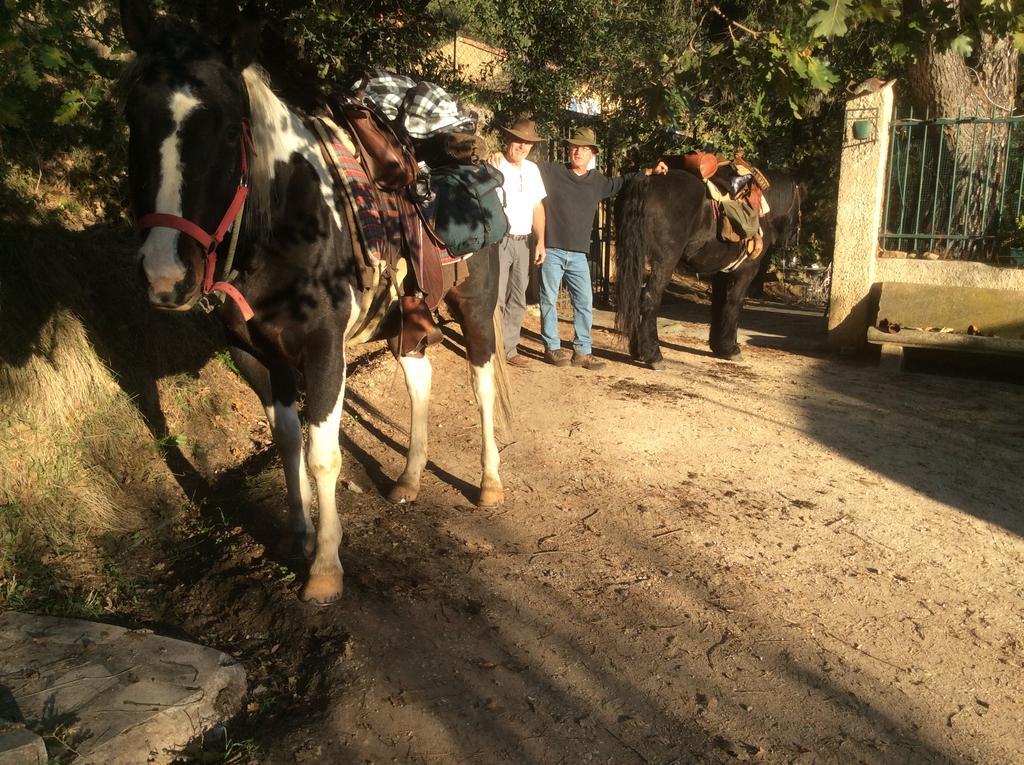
(419, 208)
(736, 189)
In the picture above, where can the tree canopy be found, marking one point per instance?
(766, 76)
(726, 73)
(721, 72)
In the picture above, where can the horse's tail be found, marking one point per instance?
(631, 248)
(502, 389)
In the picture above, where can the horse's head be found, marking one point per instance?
(185, 104)
(785, 196)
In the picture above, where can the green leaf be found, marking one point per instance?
(798, 63)
(878, 11)
(962, 44)
(8, 41)
(50, 57)
(10, 114)
(72, 102)
(831, 21)
(820, 75)
(67, 113)
(899, 51)
(1018, 40)
(27, 74)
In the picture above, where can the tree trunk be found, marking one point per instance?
(945, 81)
(945, 84)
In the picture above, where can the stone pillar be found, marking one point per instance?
(859, 216)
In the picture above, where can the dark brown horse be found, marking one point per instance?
(666, 222)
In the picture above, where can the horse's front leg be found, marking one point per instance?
(727, 294)
(277, 392)
(491, 492)
(418, 374)
(287, 431)
(325, 382)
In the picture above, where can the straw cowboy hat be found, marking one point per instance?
(523, 129)
(584, 137)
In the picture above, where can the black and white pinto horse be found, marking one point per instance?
(189, 99)
(668, 222)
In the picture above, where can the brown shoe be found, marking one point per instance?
(518, 360)
(587, 361)
(559, 358)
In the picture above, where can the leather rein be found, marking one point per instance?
(210, 242)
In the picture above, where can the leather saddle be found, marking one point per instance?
(729, 182)
(391, 167)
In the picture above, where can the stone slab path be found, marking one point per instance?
(110, 694)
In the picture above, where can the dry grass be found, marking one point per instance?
(83, 480)
(69, 440)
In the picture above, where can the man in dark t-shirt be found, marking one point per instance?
(573, 193)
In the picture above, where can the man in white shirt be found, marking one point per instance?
(524, 192)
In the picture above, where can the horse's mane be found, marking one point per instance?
(784, 195)
(264, 109)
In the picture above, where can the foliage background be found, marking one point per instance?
(765, 76)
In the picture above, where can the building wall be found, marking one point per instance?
(948, 273)
(856, 269)
(476, 62)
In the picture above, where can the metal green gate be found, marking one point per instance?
(954, 187)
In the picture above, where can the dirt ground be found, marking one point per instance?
(789, 559)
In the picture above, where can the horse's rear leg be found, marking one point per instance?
(473, 304)
(644, 345)
(418, 374)
(491, 492)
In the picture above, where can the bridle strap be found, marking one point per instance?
(232, 292)
(185, 226)
(209, 242)
(218, 236)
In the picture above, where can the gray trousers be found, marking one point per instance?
(514, 259)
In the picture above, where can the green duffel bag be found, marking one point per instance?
(468, 209)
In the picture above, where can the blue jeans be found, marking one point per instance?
(571, 266)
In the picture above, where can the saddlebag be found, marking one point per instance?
(467, 210)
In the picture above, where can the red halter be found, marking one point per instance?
(209, 242)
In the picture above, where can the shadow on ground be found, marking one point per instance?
(896, 425)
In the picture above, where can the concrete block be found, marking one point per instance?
(123, 696)
(21, 746)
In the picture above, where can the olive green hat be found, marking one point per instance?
(584, 137)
